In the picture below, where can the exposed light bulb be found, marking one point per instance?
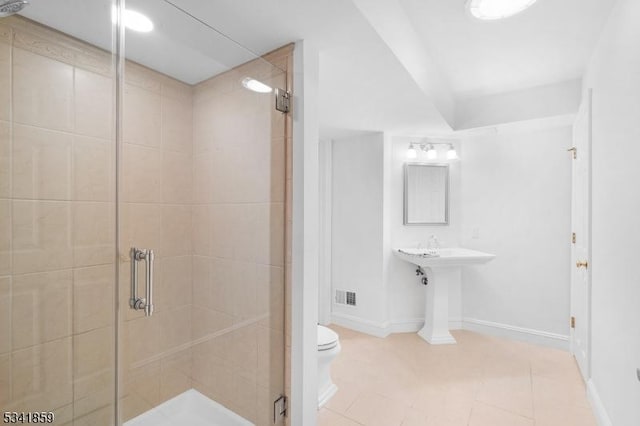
(412, 154)
(255, 85)
(451, 153)
(432, 154)
(490, 10)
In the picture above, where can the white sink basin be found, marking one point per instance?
(453, 256)
(442, 270)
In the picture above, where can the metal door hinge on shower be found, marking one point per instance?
(135, 302)
(283, 100)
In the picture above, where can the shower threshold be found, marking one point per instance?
(189, 408)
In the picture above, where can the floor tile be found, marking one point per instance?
(371, 409)
(327, 417)
(414, 417)
(513, 394)
(486, 415)
(483, 380)
(345, 397)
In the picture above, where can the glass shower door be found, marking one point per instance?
(202, 192)
(57, 214)
(175, 165)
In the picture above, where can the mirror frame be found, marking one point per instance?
(406, 194)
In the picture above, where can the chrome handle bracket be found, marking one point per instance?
(142, 303)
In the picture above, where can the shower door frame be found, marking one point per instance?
(118, 40)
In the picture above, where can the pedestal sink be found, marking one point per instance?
(448, 261)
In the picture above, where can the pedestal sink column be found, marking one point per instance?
(436, 321)
(442, 271)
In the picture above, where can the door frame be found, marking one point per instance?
(325, 291)
(587, 103)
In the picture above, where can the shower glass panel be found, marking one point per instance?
(202, 168)
(57, 214)
(157, 145)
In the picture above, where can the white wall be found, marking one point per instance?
(509, 195)
(614, 75)
(357, 230)
(304, 256)
(516, 204)
(406, 294)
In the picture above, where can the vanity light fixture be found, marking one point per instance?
(431, 151)
(255, 85)
(492, 10)
(412, 154)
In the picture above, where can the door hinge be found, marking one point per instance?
(280, 407)
(573, 322)
(573, 238)
(283, 100)
(575, 152)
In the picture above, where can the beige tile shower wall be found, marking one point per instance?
(239, 163)
(57, 225)
(57, 228)
(156, 213)
(212, 206)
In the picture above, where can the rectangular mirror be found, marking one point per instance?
(426, 194)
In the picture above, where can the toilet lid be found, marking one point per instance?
(327, 338)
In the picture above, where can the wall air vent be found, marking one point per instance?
(346, 297)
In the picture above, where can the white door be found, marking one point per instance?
(581, 224)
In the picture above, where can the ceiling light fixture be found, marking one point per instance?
(255, 85)
(133, 20)
(491, 10)
(136, 21)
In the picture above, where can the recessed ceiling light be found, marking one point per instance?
(133, 20)
(136, 21)
(490, 10)
(255, 85)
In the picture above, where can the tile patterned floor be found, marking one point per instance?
(481, 381)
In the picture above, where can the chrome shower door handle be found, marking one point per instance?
(135, 302)
(148, 308)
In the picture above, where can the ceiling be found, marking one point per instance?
(550, 42)
(178, 46)
(385, 65)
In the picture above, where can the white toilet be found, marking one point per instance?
(328, 348)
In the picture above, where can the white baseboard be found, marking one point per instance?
(529, 335)
(597, 406)
(409, 325)
(412, 325)
(455, 324)
(377, 329)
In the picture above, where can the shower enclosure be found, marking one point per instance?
(143, 203)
